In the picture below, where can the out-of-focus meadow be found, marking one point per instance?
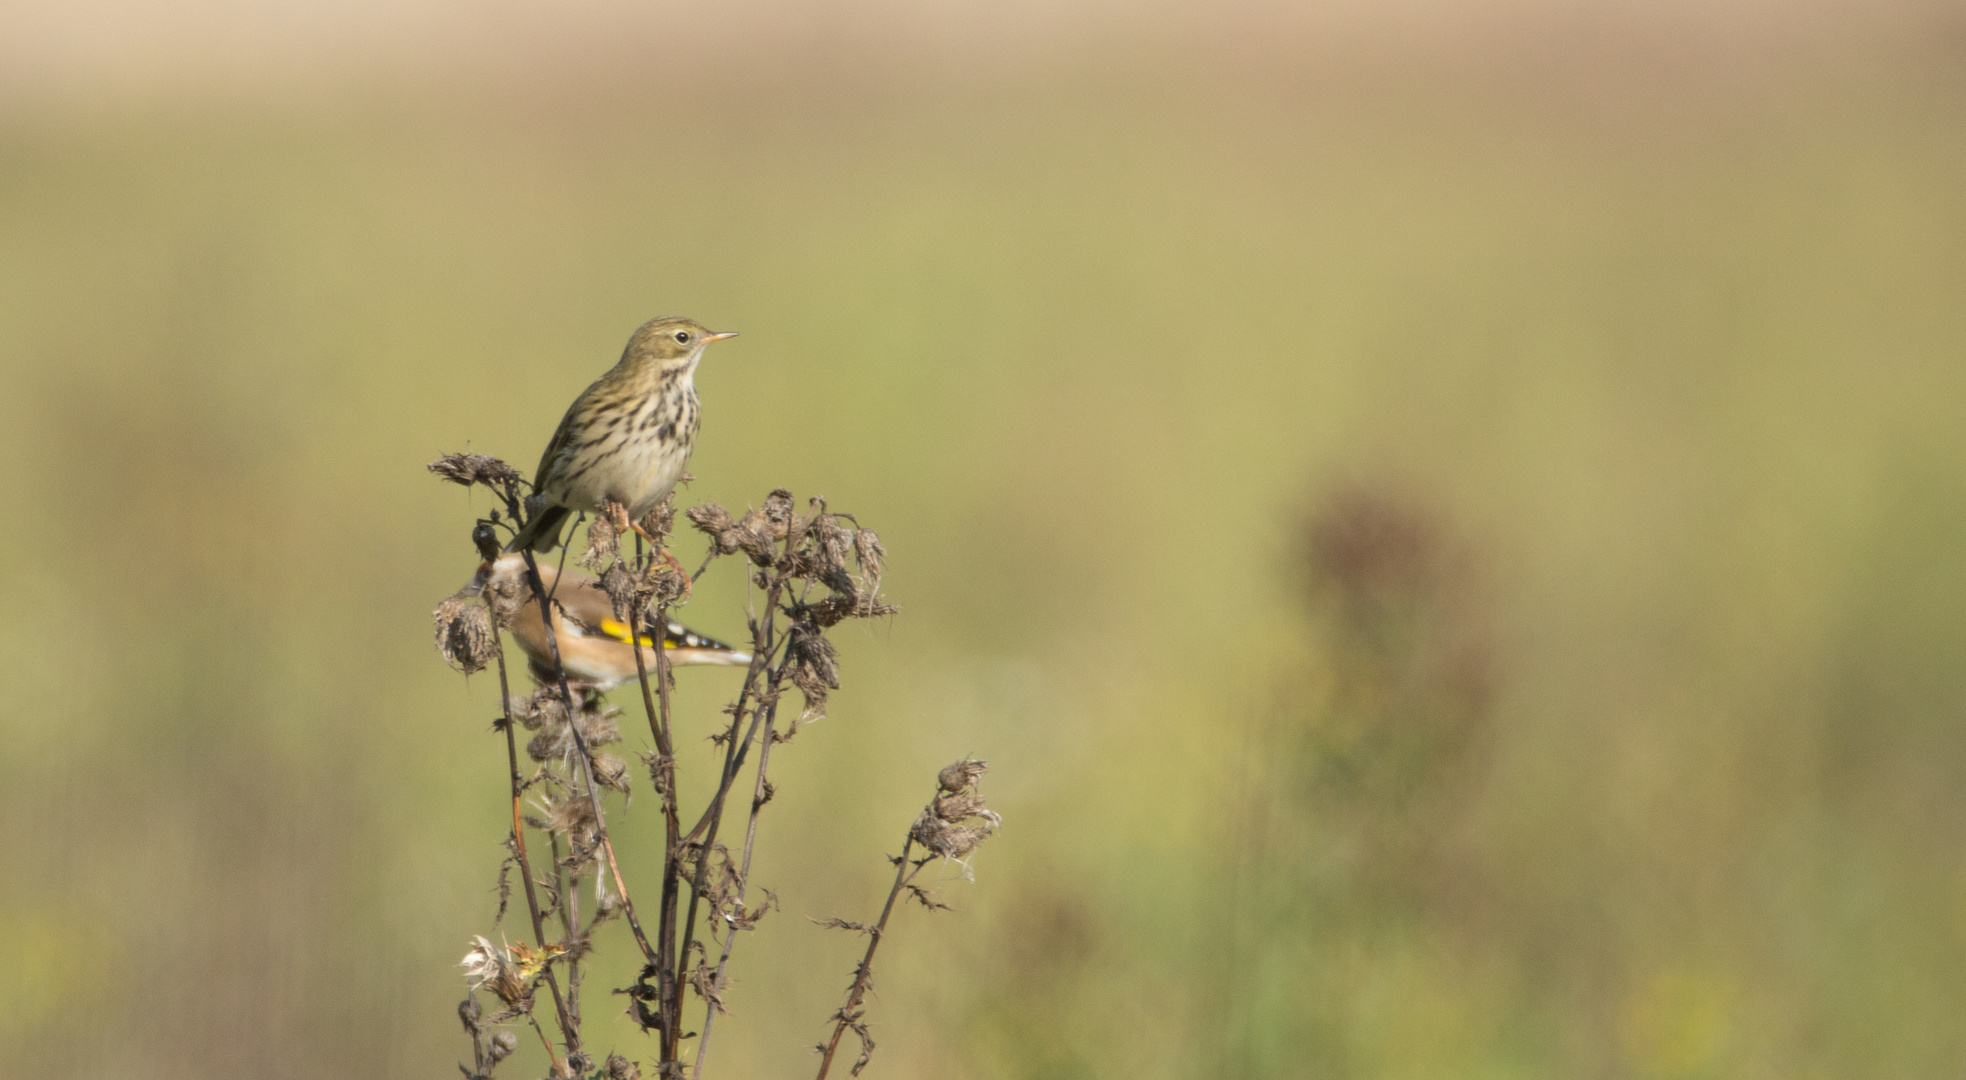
(1455, 563)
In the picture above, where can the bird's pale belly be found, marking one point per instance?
(638, 476)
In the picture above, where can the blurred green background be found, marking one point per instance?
(1451, 544)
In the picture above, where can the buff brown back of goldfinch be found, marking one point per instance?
(594, 643)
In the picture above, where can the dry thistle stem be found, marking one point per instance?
(942, 829)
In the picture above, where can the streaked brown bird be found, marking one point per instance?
(626, 437)
(593, 643)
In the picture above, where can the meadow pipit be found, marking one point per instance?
(625, 438)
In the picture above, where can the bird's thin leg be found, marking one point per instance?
(667, 556)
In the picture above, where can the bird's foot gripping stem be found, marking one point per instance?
(664, 555)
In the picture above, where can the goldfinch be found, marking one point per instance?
(593, 643)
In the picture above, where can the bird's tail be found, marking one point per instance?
(542, 533)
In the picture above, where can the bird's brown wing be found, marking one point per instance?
(583, 600)
(561, 436)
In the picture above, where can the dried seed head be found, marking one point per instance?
(713, 521)
(815, 668)
(954, 808)
(753, 535)
(603, 542)
(599, 726)
(659, 521)
(468, 469)
(870, 554)
(620, 1068)
(502, 1045)
(815, 709)
(664, 583)
(539, 708)
(546, 746)
(947, 840)
(750, 534)
(570, 815)
(491, 968)
(944, 827)
(815, 662)
(485, 539)
(611, 772)
(837, 609)
(962, 774)
(621, 587)
(465, 637)
(659, 768)
(778, 513)
(556, 742)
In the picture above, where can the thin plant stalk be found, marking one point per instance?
(586, 757)
(668, 1007)
(758, 798)
(864, 974)
(763, 646)
(568, 1027)
(569, 919)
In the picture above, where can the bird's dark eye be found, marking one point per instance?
(682, 336)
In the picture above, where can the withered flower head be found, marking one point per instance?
(530, 961)
(502, 1045)
(954, 808)
(620, 1068)
(540, 708)
(753, 534)
(711, 520)
(603, 542)
(778, 512)
(622, 589)
(658, 522)
(465, 638)
(750, 534)
(815, 661)
(555, 741)
(569, 815)
(611, 772)
(871, 554)
(664, 583)
(947, 840)
(491, 968)
(944, 826)
(815, 668)
(962, 774)
(468, 469)
(825, 557)
(485, 538)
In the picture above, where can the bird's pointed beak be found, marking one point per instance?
(476, 587)
(708, 338)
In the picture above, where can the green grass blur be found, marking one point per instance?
(1680, 367)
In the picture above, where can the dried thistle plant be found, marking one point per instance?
(951, 826)
(814, 569)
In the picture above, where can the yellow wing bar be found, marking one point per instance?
(675, 636)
